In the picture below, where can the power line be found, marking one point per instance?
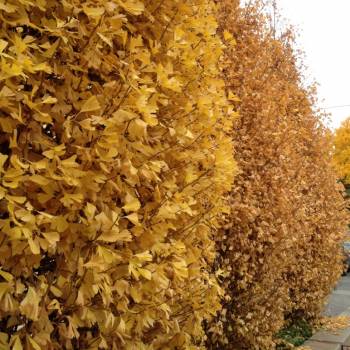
(339, 106)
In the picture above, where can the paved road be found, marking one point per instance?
(338, 303)
(339, 300)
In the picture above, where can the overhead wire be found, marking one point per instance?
(331, 107)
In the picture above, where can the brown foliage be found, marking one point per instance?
(281, 245)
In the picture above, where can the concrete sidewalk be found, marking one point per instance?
(339, 300)
(325, 340)
(338, 304)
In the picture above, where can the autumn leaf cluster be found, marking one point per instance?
(280, 248)
(124, 224)
(115, 155)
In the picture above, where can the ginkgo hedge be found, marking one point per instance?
(115, 154)
(280, 251)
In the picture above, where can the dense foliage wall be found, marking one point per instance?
(116, 155)
(115, 152)
(280, 252)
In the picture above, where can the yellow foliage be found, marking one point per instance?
(114, 157)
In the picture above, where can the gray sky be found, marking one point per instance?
(324, 35)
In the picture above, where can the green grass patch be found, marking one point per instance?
(295, 333)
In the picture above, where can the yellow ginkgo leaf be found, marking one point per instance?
(49, 100)
(3, 338)
(233, 97)
(135, 294)
(56, 292)
(17, 345)
(34, 246)
(90, 105)
(16, 199)
(138, 128)
(33, 343)
(6, 275)
(145, 256)
(134, 7)
(114, 235)
(3, 158)
(51, 237)
(133, 218)
(227, 35)
(145, 273)
(94, 12)
(3, 45)
(29, 306)
(108, 41)
(38, 179)
(51, 49)
(4, 288)
(132, 203)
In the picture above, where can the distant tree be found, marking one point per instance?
(341, 156)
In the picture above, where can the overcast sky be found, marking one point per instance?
(324, 28)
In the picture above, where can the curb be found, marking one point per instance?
(326, 340)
